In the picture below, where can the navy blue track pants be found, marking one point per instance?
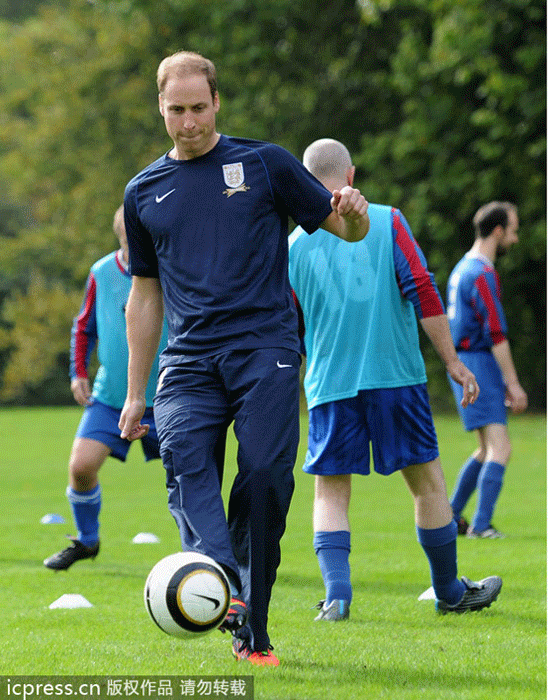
(258, 391)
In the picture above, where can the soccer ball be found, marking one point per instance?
(187, 594)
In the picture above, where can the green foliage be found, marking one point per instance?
(38, 313)
(71, 138)
(441, 103)
(16, 11)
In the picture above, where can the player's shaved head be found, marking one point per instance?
(327, 158)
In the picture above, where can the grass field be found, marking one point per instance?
(393, 646)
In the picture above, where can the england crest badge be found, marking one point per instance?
(234, 178)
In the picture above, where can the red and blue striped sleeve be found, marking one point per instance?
(487, 303)
(84, 332)
(415, 281)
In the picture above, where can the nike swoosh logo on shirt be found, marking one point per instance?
(278, 364)
(160, 199)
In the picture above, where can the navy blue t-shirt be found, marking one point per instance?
(214, 229)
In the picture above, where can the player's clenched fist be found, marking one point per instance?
(349, 202)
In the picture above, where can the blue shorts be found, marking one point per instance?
(489, 406)
(397, 422)
(100, 422)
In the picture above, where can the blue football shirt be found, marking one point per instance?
(474, 305)
(213, 229)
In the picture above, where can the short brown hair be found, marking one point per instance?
(186, 63)
(491, 215)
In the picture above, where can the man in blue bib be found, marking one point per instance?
(207, 229)
(101, 325)
(365, 384)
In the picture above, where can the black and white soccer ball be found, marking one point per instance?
(187, 594)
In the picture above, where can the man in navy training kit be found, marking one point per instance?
(366, 383)
(101, 323)
(479, 331)
(207, 229)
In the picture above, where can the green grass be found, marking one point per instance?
(392, 647)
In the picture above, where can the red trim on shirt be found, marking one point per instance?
(81, 340)
(493, 318)
(428, 297)
(119, 263)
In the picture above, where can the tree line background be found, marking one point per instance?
(442, 104)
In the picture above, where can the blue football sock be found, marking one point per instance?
(440, 546)
(489, 486)
(332, 550)
(467, 481)
(86, 506)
